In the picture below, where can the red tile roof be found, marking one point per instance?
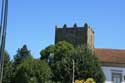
(110, 55)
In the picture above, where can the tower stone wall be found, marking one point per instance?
(78, 36)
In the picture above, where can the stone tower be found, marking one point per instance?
(78, 36)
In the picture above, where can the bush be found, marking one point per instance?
(89, 80)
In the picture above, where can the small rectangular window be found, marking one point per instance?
(116, 77)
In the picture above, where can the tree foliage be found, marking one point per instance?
(46, 52)
(86, 64)
(7, 69)
(22, 54)
(55, 66)
(33, 71)
(61, 49)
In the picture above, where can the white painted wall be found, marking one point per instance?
(109, 70)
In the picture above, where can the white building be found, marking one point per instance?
(113, 64)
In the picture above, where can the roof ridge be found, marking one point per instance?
(110, 49)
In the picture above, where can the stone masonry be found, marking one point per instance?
(78, 36)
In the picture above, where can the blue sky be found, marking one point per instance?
(32, 22)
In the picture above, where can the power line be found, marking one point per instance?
(3, 28)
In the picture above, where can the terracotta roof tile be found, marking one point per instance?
(110, 55)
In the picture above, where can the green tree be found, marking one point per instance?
(62, 66)
(33, 71)
(7, 69)
(86, 64)
(46, 52)
(22, 54)
(61, 49)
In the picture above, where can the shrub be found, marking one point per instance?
(89, 80)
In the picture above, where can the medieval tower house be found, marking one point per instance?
(77, 36)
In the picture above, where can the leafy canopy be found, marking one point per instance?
(33, 71)
(86, 63)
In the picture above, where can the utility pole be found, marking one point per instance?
(73, 71)
(3, 27)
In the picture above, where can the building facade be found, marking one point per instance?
(112, 60)
(113, 64)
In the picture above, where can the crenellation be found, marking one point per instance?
(64, 26)
(75, 25)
